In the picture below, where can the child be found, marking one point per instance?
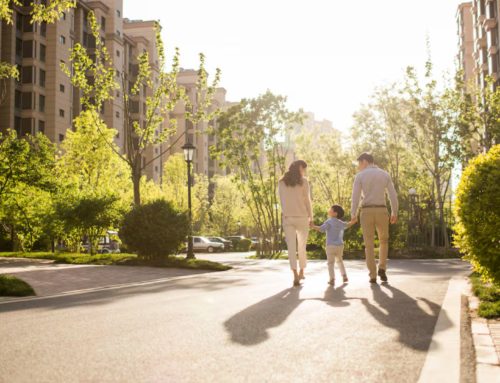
(334, 229)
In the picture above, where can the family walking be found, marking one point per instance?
(368, 197)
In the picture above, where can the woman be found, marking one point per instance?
(297, 215)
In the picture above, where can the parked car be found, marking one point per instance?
(235, 239)
(107, 244)
(255, 243)
(204, 244)
(228, 245)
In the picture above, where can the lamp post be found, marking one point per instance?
(239, 227)
(189, 149)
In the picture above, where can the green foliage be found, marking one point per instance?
(489, 296)
(154, 230)
(477, 229)
(244, 244)
(11, 286)
(260, 126)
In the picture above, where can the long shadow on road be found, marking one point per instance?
(397, 310)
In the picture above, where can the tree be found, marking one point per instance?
(251, 143)
(96, 81)
(430, 131)
(227, 207)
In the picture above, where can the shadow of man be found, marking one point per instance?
(403, 313)
(250, 326)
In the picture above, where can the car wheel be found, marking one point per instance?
(210, 249)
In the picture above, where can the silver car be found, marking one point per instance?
(204, 244)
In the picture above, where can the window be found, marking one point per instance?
(19, 47)
(117, 53)
(61, 137)
(61, 112)
(19, 22)
(117, 114)
(43, 52)
(26, 126)
(63, 15)
(117, 74)
(117, 94)
(17, 124)
(118, 32)
(196, 240)
(27, 75)
(118, 13)
(43, 29)
(61, 88)
(42, 78)
(28, 49)
(27, 100)
(62, 40)
(41, 126)
(103, 23)
(17, 99)
(41, 103)
(27, 26)
(156, 169)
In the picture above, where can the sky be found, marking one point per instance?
(326, 56)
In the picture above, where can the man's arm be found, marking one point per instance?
(393, 199)
(356, 195)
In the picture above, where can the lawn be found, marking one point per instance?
(120, 259)
(489, 296)
(11, 286)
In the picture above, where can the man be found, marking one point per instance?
(372, 183)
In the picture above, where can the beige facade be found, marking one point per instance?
(43, 100)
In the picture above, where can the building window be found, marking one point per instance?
(26, 126)
(42, 52)
(27, 26)
(63, 15)
(27, 75)
(117, 53)
(118, 13)
(144, 109)
(61, 137)
(117, 94)
(41, 126)
(62, 40)
(17, 99)
(28, 49)
(117, 114)
(19, 47)
(117, 74)
(42, 78)
(156, 169)
(27, 100)
(19, 22)
(61, 88)
(61, 112)
(41, 103)
(43, 29)
(17, 125)
(118, 33)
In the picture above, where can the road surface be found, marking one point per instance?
(245, 325)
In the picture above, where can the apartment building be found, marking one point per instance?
(479, 38)
(43, 99)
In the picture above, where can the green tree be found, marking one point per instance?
(96, 80)
(227, 207)
(251, 142)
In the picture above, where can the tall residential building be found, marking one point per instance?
(479, 38)
(43, 99)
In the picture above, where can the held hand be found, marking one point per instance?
(354, 220)
(394, 219)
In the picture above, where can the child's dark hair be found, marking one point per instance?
(338, 209)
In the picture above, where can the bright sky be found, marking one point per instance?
(327, 56)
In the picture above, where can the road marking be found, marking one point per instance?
(444, 349)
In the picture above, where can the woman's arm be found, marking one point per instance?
(307, 199)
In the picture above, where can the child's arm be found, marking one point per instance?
(315, 227)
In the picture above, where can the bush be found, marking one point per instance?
(244, 244)
(477, 213)
(154, 230)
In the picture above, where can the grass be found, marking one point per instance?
(11, 286)
(124, 259)
(489, 297)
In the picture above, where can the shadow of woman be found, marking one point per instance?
(403, 313)
(250, 326)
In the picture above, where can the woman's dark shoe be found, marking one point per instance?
(382, 275)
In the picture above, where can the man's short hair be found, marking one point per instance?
(338, 209)
(367, 157)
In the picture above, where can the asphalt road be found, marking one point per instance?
(245, 325)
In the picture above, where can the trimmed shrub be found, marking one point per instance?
(244, 244)
(477, 213)
(154, 230)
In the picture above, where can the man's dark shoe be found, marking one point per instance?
(373, 280)
(382, 275)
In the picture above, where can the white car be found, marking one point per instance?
(204, 244)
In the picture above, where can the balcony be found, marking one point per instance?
(481, 42)
(489, 24)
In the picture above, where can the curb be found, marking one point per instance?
(487, 360)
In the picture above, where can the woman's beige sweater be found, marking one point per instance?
(295, 200)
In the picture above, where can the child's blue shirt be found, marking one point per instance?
(334, 229)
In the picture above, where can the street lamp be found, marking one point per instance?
(239, 227)
(189, 149)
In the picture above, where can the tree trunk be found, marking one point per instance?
(136, 181)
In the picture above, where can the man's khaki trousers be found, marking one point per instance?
(375, 218)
